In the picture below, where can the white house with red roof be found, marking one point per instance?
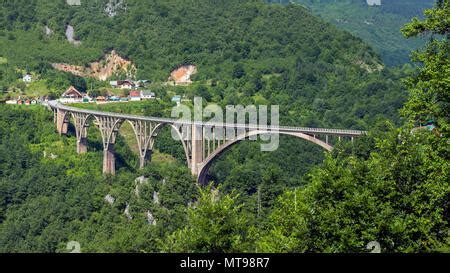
(72, 95)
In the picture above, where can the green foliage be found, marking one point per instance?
(398, 197)
(215, 224)
(430, 87)
(393, 187)
(49, 195)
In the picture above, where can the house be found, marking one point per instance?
(12, 102)
(135, 96)
(72, 95)
(113, 84)
(148, 95)
(27, 78)
(127, 84)
(33, 102)
(100, 99)
(27, 102)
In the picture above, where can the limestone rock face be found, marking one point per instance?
(139, 181)
(114, 6)
(110, 65)
(151, 219)
(48, 31)
(70, 35)
(183, 74)
(156, 198)
(127, 212)
(109, 199)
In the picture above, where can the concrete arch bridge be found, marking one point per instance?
(202, 142)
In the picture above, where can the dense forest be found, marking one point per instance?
(391, 186)
(377, 25)
(247, 52)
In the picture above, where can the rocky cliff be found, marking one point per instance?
(110, 65)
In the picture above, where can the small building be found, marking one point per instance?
(72, 95)
(127, 84)
(11, 102)
(33, 102)
(113, 84)
(27, 78)
(135, 96)
(100, 99)
(148, 95)
(27, 102)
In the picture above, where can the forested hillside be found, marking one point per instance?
(247, 52)
(377, 25)
(390, 186)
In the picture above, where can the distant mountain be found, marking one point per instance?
(379, 25)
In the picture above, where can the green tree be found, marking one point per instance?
(215, 225)
(398, 197)
(430, 88)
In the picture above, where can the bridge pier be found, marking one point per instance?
(109, 160)
(62, 123)
(82, 145)
(109, 127)
(146, 157)
(81, 126)
(197, 149)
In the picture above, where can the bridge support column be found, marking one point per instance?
(81, 126)
(109, 127)
(109, 160)
(144, 132)
(82, 145)
(55, 116)
(61, 122)
(146, 157)
(197, 149)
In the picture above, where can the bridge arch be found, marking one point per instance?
(210, 159)
(161, 126)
